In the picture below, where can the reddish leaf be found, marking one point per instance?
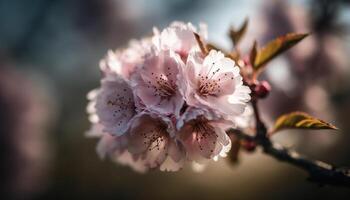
(237, 35)
(201, 44)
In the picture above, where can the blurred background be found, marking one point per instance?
(49, 55)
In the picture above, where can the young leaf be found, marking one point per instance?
(253, 53)
(237, 35)
(211, 46)
(300, 120)
(201, 44)
(231, 55)
(276, 47)
(234, 56)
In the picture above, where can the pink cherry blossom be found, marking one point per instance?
(148, 145)
(150, 138)
(155, 82)
(163, 102)
(123, 62)
(179, 37)
(204, 139)
(191, 113)
(115, 106)
(114, 147)
(214, 82)
(109, 145)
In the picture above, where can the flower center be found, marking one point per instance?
(208, 84)
(208, 87)
(155, 138)
(121, 104)
(163, 87)
(203, 132)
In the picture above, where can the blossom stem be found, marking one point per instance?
(261, 131)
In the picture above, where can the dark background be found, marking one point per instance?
(49, 55)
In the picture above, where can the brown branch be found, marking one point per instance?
(261, 131)
(320, 172)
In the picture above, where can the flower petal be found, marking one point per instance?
(202, 140)
(156, 83)
(126, 158)
(124, 62)
(115, 106)
(215, 83)
(149, 138)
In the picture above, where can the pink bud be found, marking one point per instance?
(249, 146)
(262, 89)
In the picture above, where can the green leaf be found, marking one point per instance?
(276, 47)
(300, 120)
(237, 35)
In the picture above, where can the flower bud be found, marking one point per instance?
(249, 146)
(262, 89)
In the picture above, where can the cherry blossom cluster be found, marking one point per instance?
(163, 102)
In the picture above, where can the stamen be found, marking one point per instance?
(203, 131)
(163, 87)
(121, 104)
(155, 138)
(209, 86)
